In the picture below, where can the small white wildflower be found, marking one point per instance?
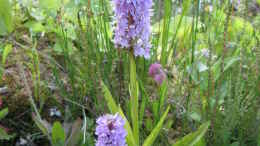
(55, 112)
(22, 142)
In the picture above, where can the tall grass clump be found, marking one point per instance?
(130, 72)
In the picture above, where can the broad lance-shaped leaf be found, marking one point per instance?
(3, 113)
(152, 137)
(58, 134)
(230, 61)
(4, 135)
(134, 91)
(35, 26)
(8, 48)
(110, 101)
(6, 23)
(193, 138)
(50, 4)
(115, 109)
(1, 72)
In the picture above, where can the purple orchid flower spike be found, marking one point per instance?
(133, 26)
(157, 73)
(110, 131)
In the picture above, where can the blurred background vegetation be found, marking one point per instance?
(55, 53)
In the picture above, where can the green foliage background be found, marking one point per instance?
(60, 53)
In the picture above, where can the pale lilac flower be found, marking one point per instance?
(133, 26)
(159, 78)
(157, 73)
(110, 131)
(55, 112)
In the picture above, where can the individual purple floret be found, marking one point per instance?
(157, 73)
(133, 26)
(110, 131)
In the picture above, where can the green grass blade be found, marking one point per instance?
(186, 6)
(40, 124)
(258, 138)
(143, 103)
(165, 34)
(163, 93)
(152, 137)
